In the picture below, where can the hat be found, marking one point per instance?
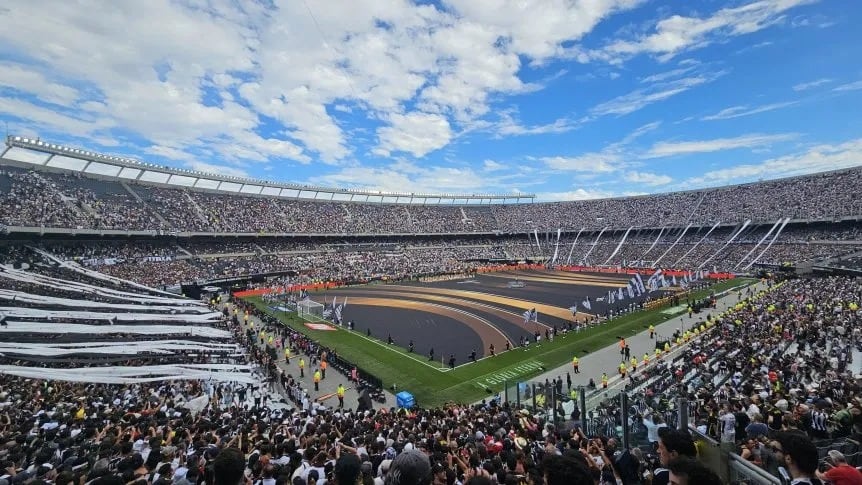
(411, 467)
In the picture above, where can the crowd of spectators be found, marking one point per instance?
(74, 201)
(783, 401)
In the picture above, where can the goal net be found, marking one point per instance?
(309, 309)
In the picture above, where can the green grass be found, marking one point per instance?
(433, 387)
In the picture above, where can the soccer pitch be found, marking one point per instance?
(434, 384)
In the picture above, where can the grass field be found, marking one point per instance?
(433, 385)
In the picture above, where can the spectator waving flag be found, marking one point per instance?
(574, 309)
(586, 304)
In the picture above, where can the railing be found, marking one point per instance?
(741, 470)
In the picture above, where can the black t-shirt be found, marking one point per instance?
(661, 476)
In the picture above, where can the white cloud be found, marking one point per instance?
(648, 178)
(677, 33)
(588, 162)
(640, 98)
(815, 159)
(663, 76)
(23, 79)
(403, 176)
(414, 133)
(669, 149)
(492, 166)
(811, 84)
(849, 86)
(509, 126)
(583, 194)
(609, 159)
(218, 169)
(209, 76)
(740, 111)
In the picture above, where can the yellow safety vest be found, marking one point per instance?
(340, 391)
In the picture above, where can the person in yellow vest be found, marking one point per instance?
(678, 340)
(270, 340)
(651, 331)
(634, 362)
(287, 354)
(667, 347)
(302, 367)
(340, 393)
(646, 359)
(575, 365)
(323, 369)
(251, 325)
(657, 354)
(623, 370)
(604, 380)
(317, 380)
(703, 327)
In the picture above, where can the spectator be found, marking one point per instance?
(838, 472)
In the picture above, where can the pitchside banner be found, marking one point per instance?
(320, 326)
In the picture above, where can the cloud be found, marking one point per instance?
(849, 86)
(815, 159)
(284, 74)
(218, 169)
(26, 80)
(647, 178)
(403, 176)
(740, 111)
(509, 126)
(640, 98)
(492, 166)
(596, 162)
(677, 33)
(414, 133)
(669, 149)
(663, 76)
(609, 159)
(811, 84)
(583, 194)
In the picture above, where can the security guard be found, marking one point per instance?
(575, 365)
(340, 393)
(317, 380)
(302, 367)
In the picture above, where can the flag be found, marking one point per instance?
(673, 281)
(611, 297)
(345, 302)
(630, 291)
(333, 302)
(527, 315)
(586, 304)
(338, 310)
(534, 315)
(620, 296)
(640, 282)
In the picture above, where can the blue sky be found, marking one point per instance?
(565, 99)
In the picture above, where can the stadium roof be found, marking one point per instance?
(34, 151)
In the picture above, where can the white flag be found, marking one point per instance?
(586, 304)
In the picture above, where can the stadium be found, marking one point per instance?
(208, 280)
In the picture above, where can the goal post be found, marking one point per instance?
(309, 310)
